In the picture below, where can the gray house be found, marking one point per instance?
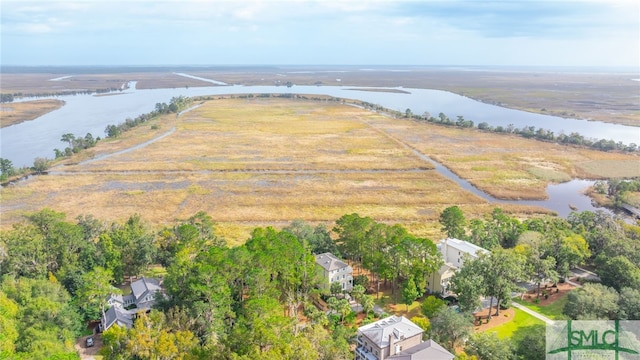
(122, 309)
(396, 338)
(335, 270)
(428, 350)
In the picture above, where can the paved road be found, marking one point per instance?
(532, 313)
(572, 283)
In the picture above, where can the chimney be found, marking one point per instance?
(446, 250)
(391, 349)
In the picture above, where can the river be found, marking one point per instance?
(23, 142)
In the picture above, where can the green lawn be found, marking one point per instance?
(552, 311)
(86, 332)
(155, 271)
(520, 319)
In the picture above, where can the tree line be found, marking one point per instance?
(76, 144)
(543, 250)
(248, 301)
(176, 104)
(537, 250)
(10, 97)
(79, 143)
(389, 252)
(618, 190)
(527, 131)
(244, 302)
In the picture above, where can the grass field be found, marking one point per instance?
(15, 113)
(521, 319)
(258, 162)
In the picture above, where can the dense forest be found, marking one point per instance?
(256, 300)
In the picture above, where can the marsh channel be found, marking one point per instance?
(22, 143)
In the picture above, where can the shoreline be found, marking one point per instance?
(26, 111)
(558, 93)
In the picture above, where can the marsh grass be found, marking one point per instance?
(612, 168)
(508, 166)
(263, 162)
(549, 175)
(17, 112)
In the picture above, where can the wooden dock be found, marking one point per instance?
(632, 210)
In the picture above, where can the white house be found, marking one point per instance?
(335, 270)
(454, 252)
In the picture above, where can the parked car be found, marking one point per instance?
(90, 341)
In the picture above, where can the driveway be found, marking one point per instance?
(88, 353)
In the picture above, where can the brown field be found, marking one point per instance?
(40, 83)
(164, 80)
(509, 167)
(15, 113)
(602, 97)
(258, 162)
(597, 96)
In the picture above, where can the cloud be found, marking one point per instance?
(321, 31)
(529, 18)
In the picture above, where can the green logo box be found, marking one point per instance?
(594, 340)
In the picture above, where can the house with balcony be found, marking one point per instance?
(454, 252)
(334, 270)
(396, 338)
(122, 309)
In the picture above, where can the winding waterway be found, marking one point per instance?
(23, 142)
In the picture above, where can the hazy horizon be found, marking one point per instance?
(568, 33)
(326, 68)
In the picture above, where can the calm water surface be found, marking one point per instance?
(23, 142)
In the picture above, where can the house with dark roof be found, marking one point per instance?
(122, 309)
(118, 316)
(334, 270)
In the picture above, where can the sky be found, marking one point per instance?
(321, 32)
